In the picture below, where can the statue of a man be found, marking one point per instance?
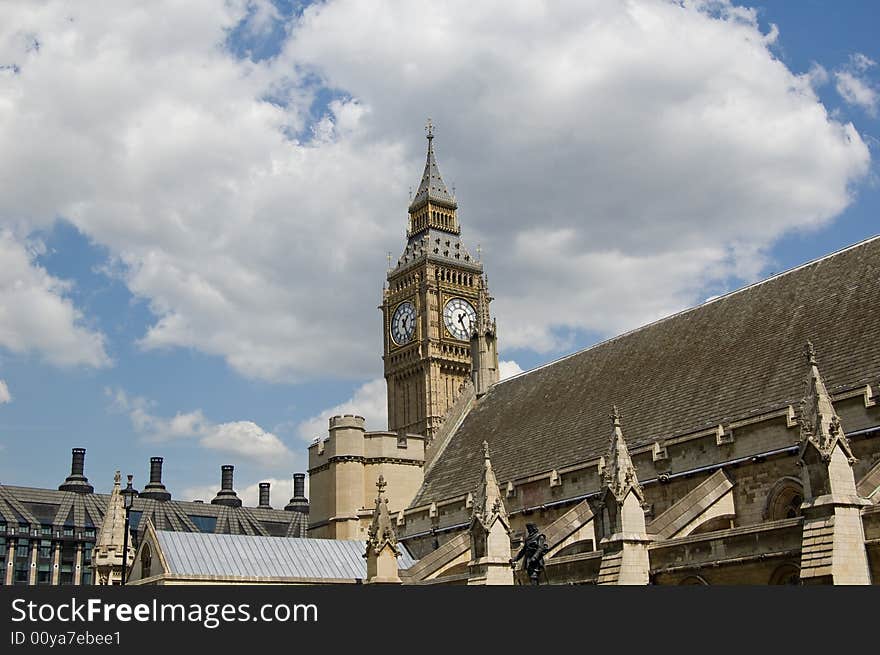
(532, 552)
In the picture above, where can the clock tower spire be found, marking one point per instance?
(429, 309)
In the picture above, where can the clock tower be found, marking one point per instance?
(435, 300)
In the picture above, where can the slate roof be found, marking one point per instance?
(36, 507)
(733, 357)
(432, 186)
(438, 246)
(228, 555)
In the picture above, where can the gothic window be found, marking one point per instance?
(784, 500)
(146, 561)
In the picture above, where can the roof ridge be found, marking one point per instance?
(709, 301)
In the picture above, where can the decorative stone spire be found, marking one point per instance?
(107, 558)
(489, 532)
(819, 424)
(484, 345)
(382, 551)
(488, 506)
(621, 516)
(833, 540)
(619, 476)
(432, 187)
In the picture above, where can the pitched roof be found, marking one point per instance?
(732, 357)
(432, 186)
(34, 506)
(236, 555)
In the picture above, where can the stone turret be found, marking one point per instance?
(77, 482)
(343, 469)
(833, 550)
(484, 345)
(489, 532)
(107, 558)
(621, 514)
(382, 551)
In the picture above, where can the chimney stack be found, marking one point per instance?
(264, 495)
(226, 495)
(299, 502)
(155, 489)
(77, 482)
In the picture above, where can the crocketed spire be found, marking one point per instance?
(432, 187)
(619, 476)
(488, 505)
(819, 423)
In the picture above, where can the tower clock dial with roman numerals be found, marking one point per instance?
(403, 323)
(460, 318)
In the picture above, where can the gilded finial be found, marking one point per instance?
(810, 353)
(429, 129)
(615, 416)
(117, 478)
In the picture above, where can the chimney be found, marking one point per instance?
(155, 489)
(299, 502)
(77, 482)
(226, 495)
(264, 495)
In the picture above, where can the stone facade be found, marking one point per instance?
(344, 467)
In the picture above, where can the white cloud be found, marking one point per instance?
(280, 492)
(853, 85)
(35, 314)
(861, 62)
(856, 91)
(612, 158)
(5, 396)
(507, 369)
(243, 438)
(369, 400)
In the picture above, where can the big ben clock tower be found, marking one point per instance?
(435, 300)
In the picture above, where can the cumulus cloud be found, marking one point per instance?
(37, 316)
(242, 438)
(507, 369)
(280, 491)
(369, 400)
(615, 160)
(5, 396)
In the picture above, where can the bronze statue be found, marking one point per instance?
(532, 553)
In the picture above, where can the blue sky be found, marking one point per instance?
(197, 211)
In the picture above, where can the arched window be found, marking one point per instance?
(694, 580)
(786, 574)
(146, 561)
(784, 500)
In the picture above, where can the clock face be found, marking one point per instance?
(403, 323)
(460, 318)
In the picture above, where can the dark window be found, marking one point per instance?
(205, 523)
(134, 517)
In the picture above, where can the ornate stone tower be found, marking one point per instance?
(429, 309)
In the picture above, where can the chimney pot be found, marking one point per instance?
(226, 495)
(264, 495)
(155, 489)
(77, 482)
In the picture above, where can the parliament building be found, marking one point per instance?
(737, 442)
